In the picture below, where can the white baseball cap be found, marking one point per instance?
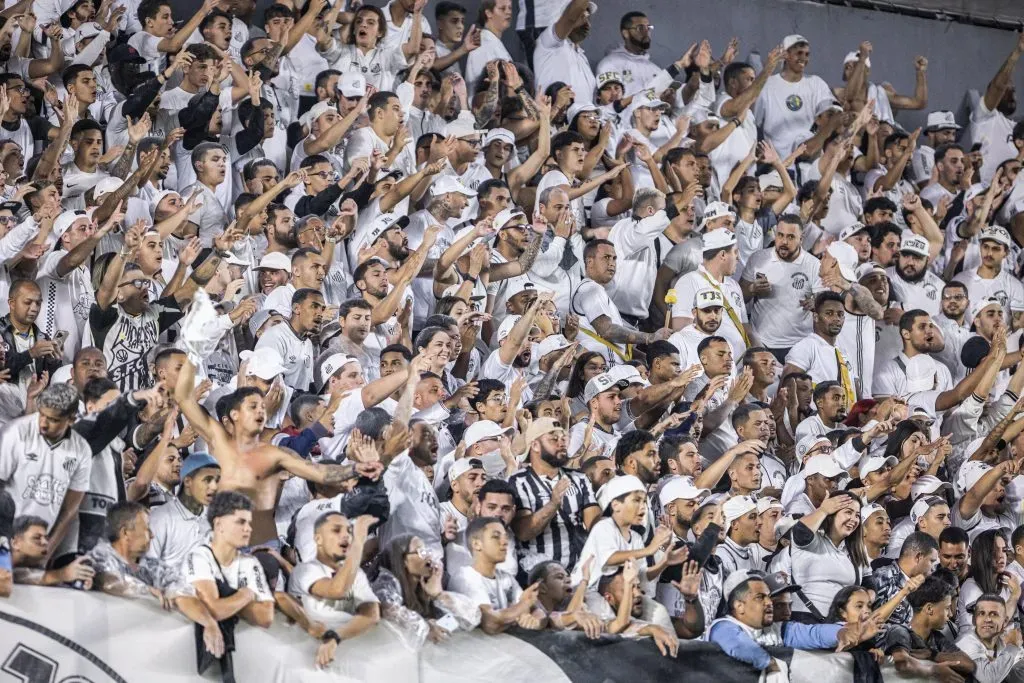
(599, 384)
(265, 363)
(502, 134)
(847, 258)
(628, 374)
(920, 373)
(608, 77)
(618, 486)
(518, 285)
(449, 183)
(825, 465)
(577, 108)
(970, 474)
(996, 233)
(550, 344)
(502, 219)
(315, 112)
(767, 503)
(867, 510)
(65, 220)
(851, 230)
(941, 120)
(793, 39)
(914, 244)
(981, 304)
(678, 488)
(923, 505)
(708, 297)
(352, 84)
(715, 210)
(736, 579)
(481, 430)
(506, 327)
(383, 223)
(463, 465)
(877, 462)
(854, 57)
(869, 268)
(462, 128)
(806, 443)
(736, 507)
(718, 239)
(928, 484)
(332, 364)
(106, 186)
(275, 260)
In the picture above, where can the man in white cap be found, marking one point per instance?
(776, 281)
(466, 476)
(652, 130)
(65, 281)
(993, 278)
(991, 124)
(785, 108)
(912, 280)
(485, 441)
(559, 54)
(604, 403)
(817, 479)
(940, 129)
(930, 515)
(818, 355)
(921, 338)
(720, 260)
(499, 148)
(308, 269)
(273, 271)
(742, 529)
(708, 313)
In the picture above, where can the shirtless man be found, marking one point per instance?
(249, 466)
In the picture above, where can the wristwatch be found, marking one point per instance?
(330, 634)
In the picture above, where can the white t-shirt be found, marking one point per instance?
(414, 504)
(66, 302)
(605, 540)
(306, 518)
(244, 572)
(994, 131)
(817, 358)
(176, 533)
(296, 353)
(600, 439)
(1004, 287)
(146, 44)
(499, 592)
(785, 111)
(565, 61)
(330, 612)
(923, 294)
(37, 474)
(779, 317)
(590, 301)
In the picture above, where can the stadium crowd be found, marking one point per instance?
(337, 311)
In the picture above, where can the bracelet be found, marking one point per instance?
(330, 634)
(735, 121)
(689, 601)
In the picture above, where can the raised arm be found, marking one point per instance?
(919, 100)
(513, 344)
(175, 42)
(571, 16)
(745, 100)
(1004, 77)
(405, 186)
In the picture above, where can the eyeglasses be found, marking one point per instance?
(7, 219)
(954, 297)
(20, 89)
(138, 284)
(643, 28)
(497, 399)
(323, 174)
(472, 142)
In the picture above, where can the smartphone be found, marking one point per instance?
(448, 623)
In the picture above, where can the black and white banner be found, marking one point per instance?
(54, 635)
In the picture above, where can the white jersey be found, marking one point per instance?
(779, 318)
(785, 111)
(993, 130)
(414, 504)
(176, 533)
(1004, 287)
(331, 612)
(296, 353)
(687, 287)
(39, 474)
(923, 294)
(244, 572)
(66, 302)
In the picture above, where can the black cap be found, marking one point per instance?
(973, 351)
(123, 53)
(779, 584)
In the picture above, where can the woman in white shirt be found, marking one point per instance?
(821, 564)
(988, 575)
(361, 49)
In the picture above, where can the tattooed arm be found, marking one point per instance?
(865, 302)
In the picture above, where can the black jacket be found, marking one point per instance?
(16, 361)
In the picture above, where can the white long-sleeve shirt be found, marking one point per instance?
(634, 241)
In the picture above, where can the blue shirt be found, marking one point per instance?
(735, 642)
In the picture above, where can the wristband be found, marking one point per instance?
(330, 634)
(735, 121)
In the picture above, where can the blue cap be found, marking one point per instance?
(197, 461)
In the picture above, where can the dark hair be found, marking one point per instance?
(879, 204)
(484, 189)
(908, 318)
(668, 448)
(360, 272)
(313, 160)
(933, 590)
(593, 245)
(733, 70)
(954, 284)
(427, 335)
(20, 284)
(942, 150)
(830, 520)
(954, 535)
(322, 519)
(879, 231)
(202, 52)
(564, 139)
(201, 150)
(301, 295)
(96, 387)
(485, 387)
(826, 296)
(982, 570)
(499, 486)
(121, 516)
(299, 404)
(477, 526)
(23, 523)
(148, 9)
(226, 503)
(918, 543)
(232, 401)
(630, 443)
(350, 305)
(660, 349)
(444, 8)
(835, 612)
(576, 381)
(989, 597)
(440, 320)
(398, 348)
(540, 570)
(277, 11)
(214, 14)
(708, 341)
(742, 413)
(822, 388)
(392, 558)
(372, 422)
(83, 126)
(379, 99)
(904, 430)
(71, 73)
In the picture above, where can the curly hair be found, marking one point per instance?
(60, 398)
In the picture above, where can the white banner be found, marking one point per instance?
(55, 635)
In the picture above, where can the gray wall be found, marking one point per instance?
(959, 56)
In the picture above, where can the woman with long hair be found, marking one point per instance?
(588, 365)
(822, 565)
(869, 541)
(988, 575)
(408, 585)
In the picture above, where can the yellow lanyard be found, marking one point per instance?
(729, 310)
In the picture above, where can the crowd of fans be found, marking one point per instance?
(337, 311)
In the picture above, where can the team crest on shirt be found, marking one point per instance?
(798, 280)
(794, 103)
(1003, 297)
(69, 465)
(930, 291)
